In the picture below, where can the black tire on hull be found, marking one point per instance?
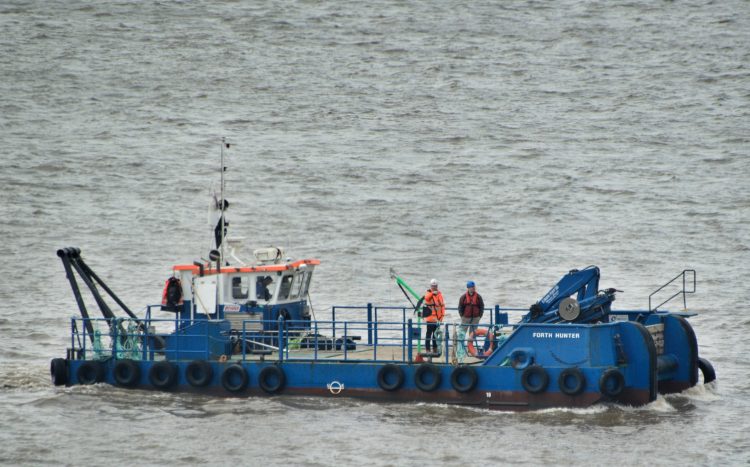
(390, 377)
(163, 375)
(271, 379)
(90, 372)
(709, 374)
(58, 369)
(571, 381)
(535, 379)
(427, 377)
(198, 373)
(464, 378)
(234, 378)
(612, 382)
(127, 373)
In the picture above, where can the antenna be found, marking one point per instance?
(222, 201)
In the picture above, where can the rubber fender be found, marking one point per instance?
(198, 373)
(535, 379)
(692, 342)
(707, 369)
(90, 372)
(612, 382)
(127, 373)
(666, 363)
(521, 357)
(163, 375)
(464, 378)
(58, 370)
(571, 381)
(271, 379)
(650, 347)
(234, 378)
(390, 377)
(427, 377)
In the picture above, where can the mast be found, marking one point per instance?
(222, 202)
(222, 233)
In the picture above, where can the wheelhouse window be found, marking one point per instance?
(264, 288)
(306, 283)
(240, 287)
(297, 285)
(286, 287)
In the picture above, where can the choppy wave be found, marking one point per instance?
(503, 143)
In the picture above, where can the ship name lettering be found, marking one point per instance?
(568, 335)
(542, 335)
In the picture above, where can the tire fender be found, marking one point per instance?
(271, 379)
(571, 381)
(127, 373)
(427, 377)
(163, 375)
(198, 373)
(58, 369)
(390, 377)
(234, 378)
(535, 379)
(464, 378)
(90, 372)
(709, 374)
(612, 382)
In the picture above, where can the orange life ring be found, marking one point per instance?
(223, 359)
(480, 332)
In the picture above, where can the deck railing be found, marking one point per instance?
(686, 276)
(211, 340)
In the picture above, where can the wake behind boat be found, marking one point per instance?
(234, 327)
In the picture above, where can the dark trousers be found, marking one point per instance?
(430, 337)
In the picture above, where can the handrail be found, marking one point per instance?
(684, 290)
(402, 336)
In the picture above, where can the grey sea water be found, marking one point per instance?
(504, 142)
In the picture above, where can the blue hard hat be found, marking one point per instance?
(470, 284)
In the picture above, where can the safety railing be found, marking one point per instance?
(402, 341)
(686, 276)
(373, 314)
(346, 342)
(388, 333)
(399, 341)
(127, 338)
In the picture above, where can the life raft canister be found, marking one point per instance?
(489, 336)
(171, 297)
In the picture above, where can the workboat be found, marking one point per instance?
(227, 326)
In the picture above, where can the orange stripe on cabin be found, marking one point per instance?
(229, 269)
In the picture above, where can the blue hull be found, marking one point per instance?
(497, 388)
(569, 350)
(537, 366)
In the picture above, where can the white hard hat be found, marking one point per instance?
(433, 282)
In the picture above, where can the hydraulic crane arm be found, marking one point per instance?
(575, 298)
